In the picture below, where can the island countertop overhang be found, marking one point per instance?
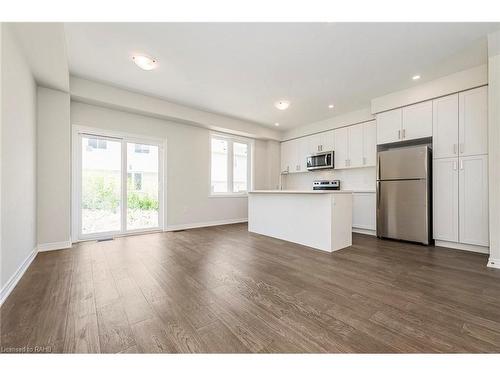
(300, 192)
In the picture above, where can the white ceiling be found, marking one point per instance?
(241, 69)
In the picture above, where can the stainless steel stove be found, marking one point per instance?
(326, 185)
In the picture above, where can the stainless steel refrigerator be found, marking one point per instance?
(404, 194)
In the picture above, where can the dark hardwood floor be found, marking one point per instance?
(222, 289)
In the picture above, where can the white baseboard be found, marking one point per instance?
(461, 246)
(54, 246)
(494, 263)
(369, 232)
(171, 228)
(14, 279)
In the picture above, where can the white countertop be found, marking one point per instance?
(300, 192)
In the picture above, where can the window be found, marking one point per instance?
(230, 165)
(141, 149)
(96, 143)
(136, 183)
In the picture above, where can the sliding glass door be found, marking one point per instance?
(101, 176)
(142, 186)
(118, 186)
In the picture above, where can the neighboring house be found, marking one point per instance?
(103, 158)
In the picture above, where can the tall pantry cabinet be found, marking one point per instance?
(460, 167)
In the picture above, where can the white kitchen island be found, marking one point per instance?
(321, 219)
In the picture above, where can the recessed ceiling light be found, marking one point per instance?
(282, 104)
(145, 62)
(416, 77)
(276, 124)
(331, 106)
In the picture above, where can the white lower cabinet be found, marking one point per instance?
(445, 199)
(460, 200)
(473, 200)
(364, 211)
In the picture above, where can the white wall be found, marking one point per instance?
(494, 146)
(460, 81)
(53, 168)
(18, 162)
(91, 92)
(267, 165)
(187, 164)
(1, 127)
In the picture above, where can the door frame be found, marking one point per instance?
(76, 173)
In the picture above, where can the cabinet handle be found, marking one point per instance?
(461, 164)
(454, 165)
(454, 148)
(404, 133)
(461, 148)
(399, 134)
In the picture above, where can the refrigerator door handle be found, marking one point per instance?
(378, 167)
(378, 195)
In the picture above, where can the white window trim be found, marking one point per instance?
(231, 138)
(76, 172)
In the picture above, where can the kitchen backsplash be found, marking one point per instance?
(350, 179)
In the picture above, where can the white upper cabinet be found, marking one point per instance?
(369, 144)
(328, 140)
(404, 124)
(356, 146)
(389, 126)
(303, 147)
(417, 121)
(445, 199)
(285, 157)
(341, 148)
(473, 122)
(315, 143)
(321, 142)
(473, 200)
(355, 158)
(445, 127)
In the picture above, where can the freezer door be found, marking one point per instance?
(403, 163)
(403, 210)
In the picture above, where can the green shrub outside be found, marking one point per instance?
(103, 194)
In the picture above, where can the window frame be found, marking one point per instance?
(231, 139)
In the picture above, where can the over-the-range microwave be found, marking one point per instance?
(322, 160)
